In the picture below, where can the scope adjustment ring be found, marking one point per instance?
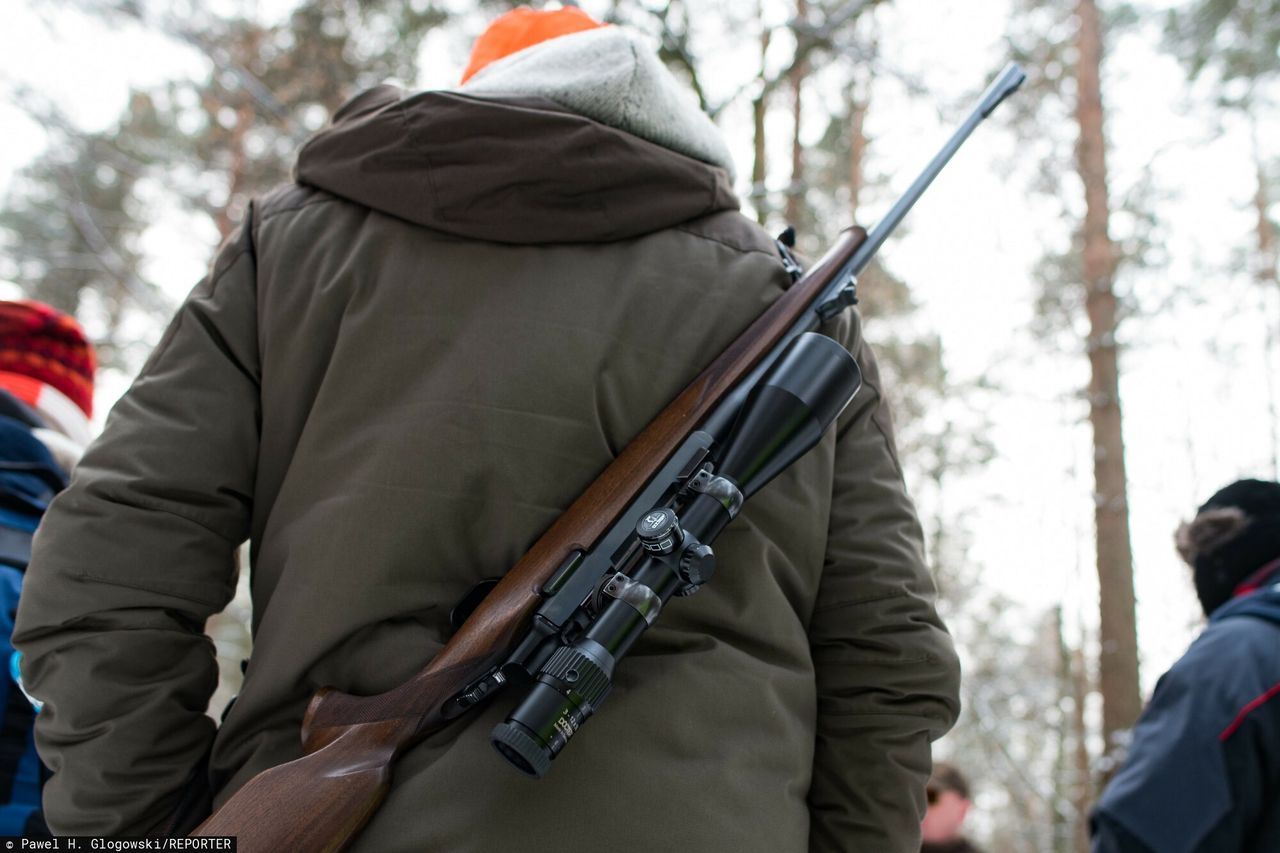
(697, 564)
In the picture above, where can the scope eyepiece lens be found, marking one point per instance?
(570, 686)
(523, 752)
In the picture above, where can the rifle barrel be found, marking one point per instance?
(1010, 78)
(1003, 86)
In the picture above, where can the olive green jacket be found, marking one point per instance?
(394, 378)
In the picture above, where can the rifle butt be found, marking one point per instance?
(319, 802)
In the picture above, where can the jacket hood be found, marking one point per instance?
(1263, 604)
(511, 169)
(611, 76)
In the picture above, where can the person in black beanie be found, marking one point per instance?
(1234, 539)
(1203, 771)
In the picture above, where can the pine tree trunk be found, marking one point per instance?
(229, 216)
(857, 147)
(795, 190)
(1266, 277)
(1118, 657)
(1062, 770)
(859, 101)
(759, 111)
(1082, 783)
(759, 168)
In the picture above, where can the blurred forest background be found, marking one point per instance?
(1106, 246)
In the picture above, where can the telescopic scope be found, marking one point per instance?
(783, 416)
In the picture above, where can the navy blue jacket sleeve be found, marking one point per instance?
(1203, 761)
(1112, 837)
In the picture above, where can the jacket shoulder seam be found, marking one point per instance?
(307, 202)
(741, 250)
(1249, 707)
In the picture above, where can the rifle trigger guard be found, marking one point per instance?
(639, 597)
(720, 488)
(476, 691)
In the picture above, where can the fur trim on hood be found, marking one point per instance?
(1207, 531)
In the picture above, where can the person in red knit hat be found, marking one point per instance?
(48, 364)
(46, 398)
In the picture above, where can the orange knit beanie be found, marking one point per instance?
(525, 27)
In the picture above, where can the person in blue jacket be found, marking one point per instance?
(46, 398)
(1203, 770)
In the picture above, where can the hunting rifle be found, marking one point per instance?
(559, 621)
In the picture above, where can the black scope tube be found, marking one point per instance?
(783, 417)
(578, 676)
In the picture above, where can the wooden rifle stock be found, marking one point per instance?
(322, 800)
